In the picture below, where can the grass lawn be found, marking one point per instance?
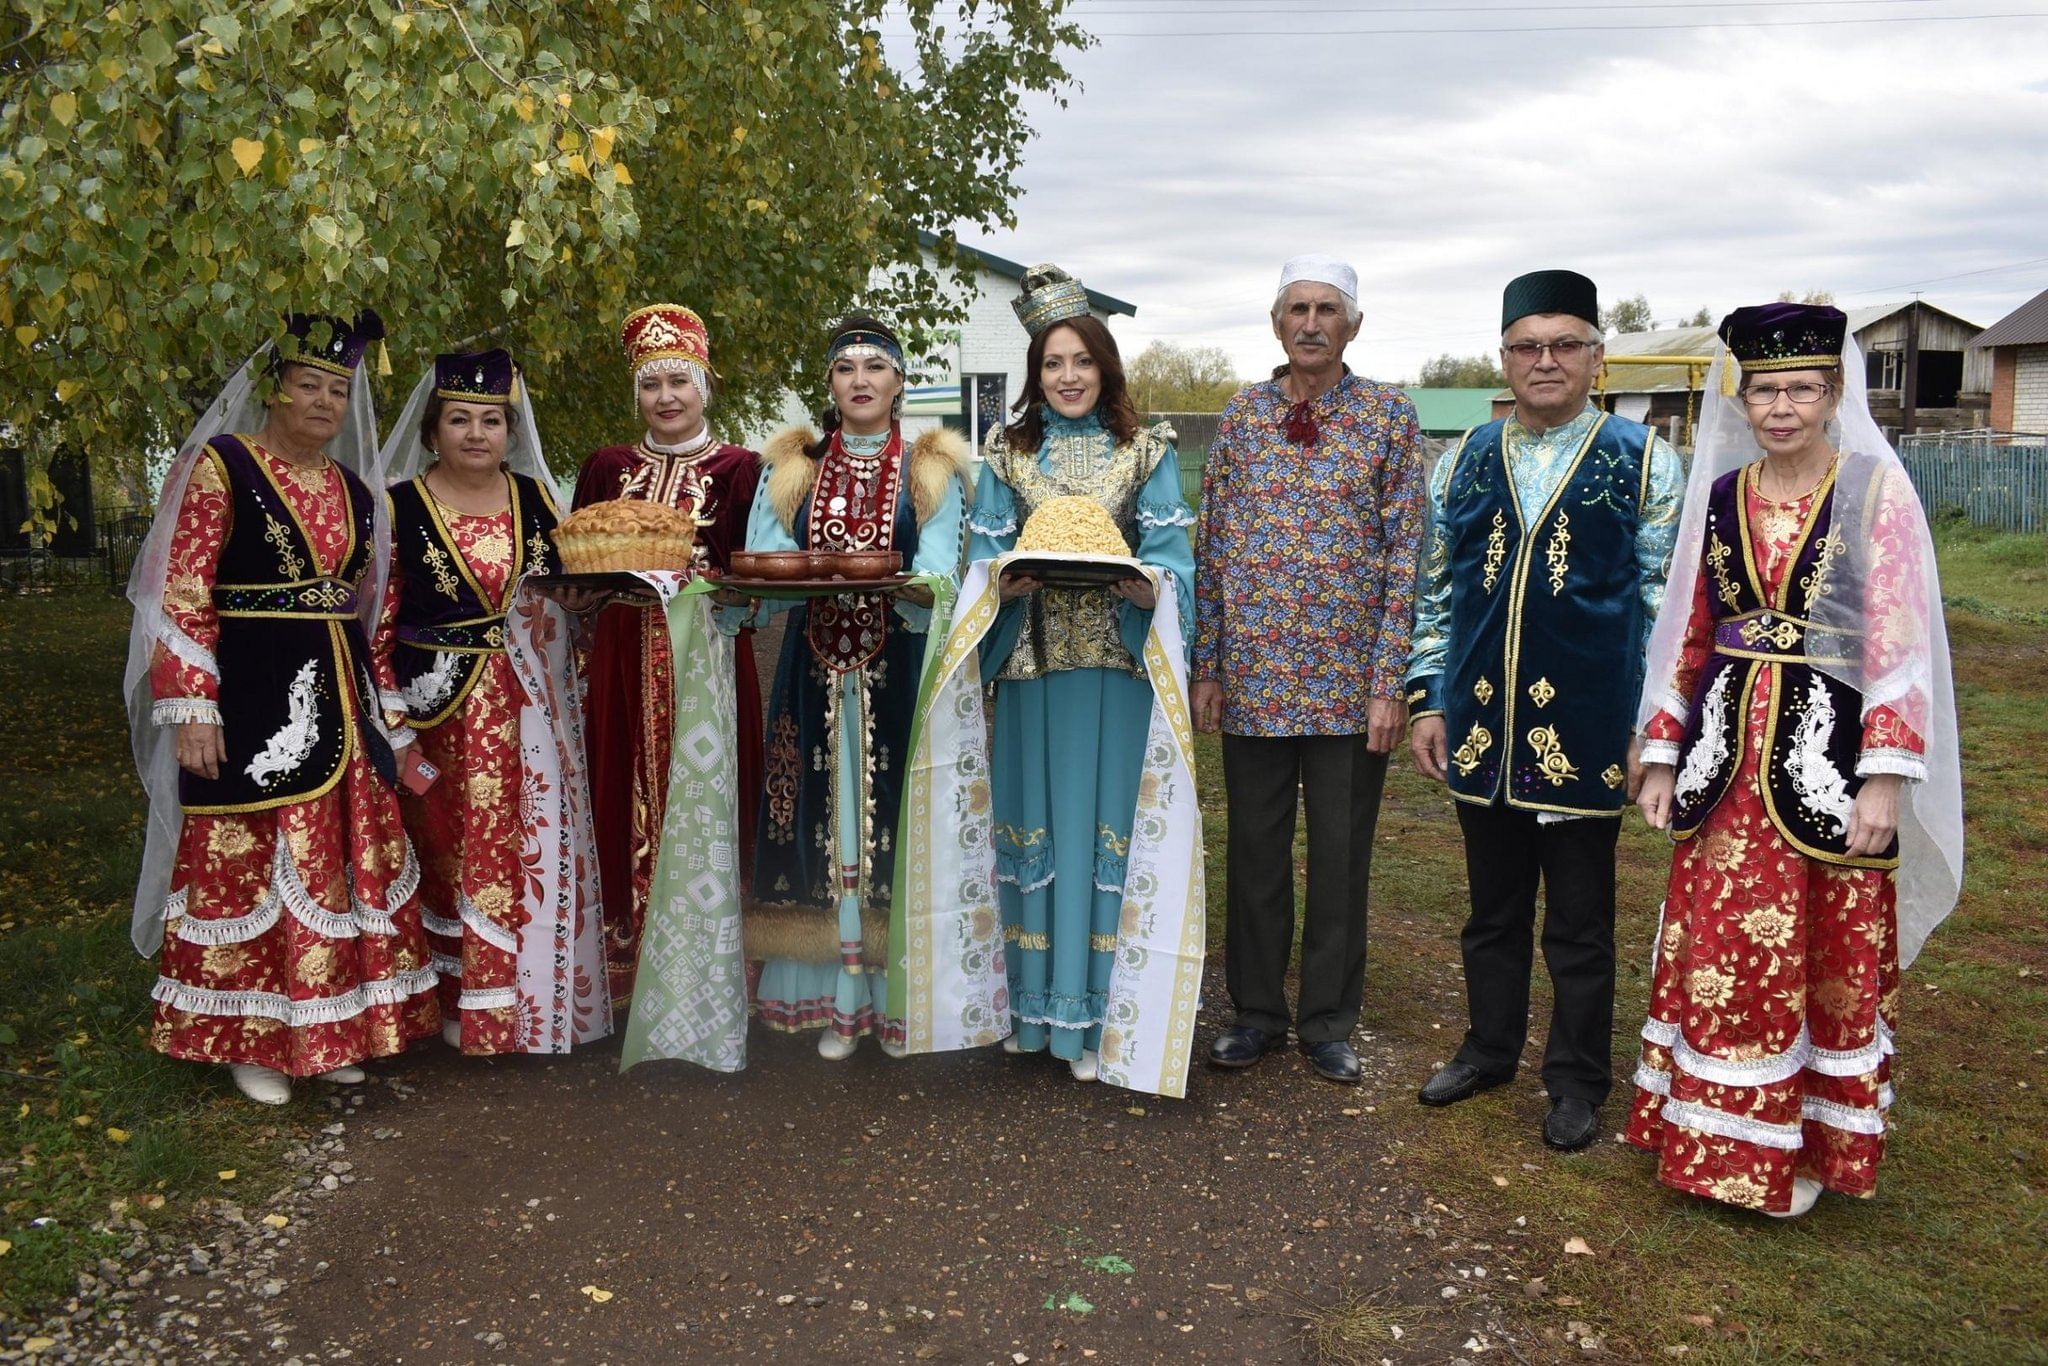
(1946, 1261)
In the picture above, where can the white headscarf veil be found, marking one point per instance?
(240, 407)
(405, 455)
(1919, 683)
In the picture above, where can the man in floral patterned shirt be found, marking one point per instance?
(1311, 511)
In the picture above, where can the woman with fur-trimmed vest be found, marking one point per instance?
(839, 718)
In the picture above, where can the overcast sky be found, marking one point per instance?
(1709, 166)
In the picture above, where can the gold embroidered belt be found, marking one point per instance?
(477, 636)
(1772, 635)
(321, 599)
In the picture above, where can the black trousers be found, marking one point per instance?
(1339, 781)
(1506, 852)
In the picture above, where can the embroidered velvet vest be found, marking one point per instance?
(294, 679)
(1545, 660)
(856, 503)
(447, 625)
(1075, 628)
(1814, 728)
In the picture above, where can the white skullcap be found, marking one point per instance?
(1323, 270)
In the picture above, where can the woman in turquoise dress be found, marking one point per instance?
(840, 717)
(1073, 704)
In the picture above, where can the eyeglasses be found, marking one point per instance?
(1570, 349)
(1764, 395)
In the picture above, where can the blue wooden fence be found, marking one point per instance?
(2003, 486)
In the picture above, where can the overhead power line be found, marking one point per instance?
(1481, 29)
(1178, 8)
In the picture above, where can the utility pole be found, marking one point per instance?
(1910, 394)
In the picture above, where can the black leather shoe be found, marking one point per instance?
(1457, 1081)
(1334, 1060)
(1571, 1124)
(1243, 1045)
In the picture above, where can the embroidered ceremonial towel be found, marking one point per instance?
(956, 993)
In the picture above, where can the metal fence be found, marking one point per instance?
(1993, 479)
(115, 544)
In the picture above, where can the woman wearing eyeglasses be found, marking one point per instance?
(1800, 731)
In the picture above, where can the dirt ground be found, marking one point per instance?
(966, 1208)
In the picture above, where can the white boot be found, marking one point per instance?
(834, 1046)
(1086, 1066)
(343, 1076)
(1012, 1044)
(451, 1032)
(264, 1085)
(1805, 1192)
(893, 1050)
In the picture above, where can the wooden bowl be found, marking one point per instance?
(867, 564)
(772, 564)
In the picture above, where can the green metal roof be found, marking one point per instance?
(1451, 410)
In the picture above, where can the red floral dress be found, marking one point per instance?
(466, 827)
(293, 937)
(1767, 1053)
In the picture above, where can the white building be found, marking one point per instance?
(969, 382)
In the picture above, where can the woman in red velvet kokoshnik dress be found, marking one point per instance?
(472, 505)
(1800, 731)
(289, 920)
(680, 463)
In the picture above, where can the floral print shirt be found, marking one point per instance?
(1306, 563)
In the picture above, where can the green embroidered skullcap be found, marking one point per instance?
(1549, 291)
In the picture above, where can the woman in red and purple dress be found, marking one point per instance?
(1800, 737)
(680, 463)
(464, 528)
(292, 944)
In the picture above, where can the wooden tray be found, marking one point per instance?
(1076, 571)
(812, 588)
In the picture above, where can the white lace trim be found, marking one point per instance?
(284, 877)
(975, 522)
(297, 1014)
(1011, 878)
(446, 966)
(491, 998)
(188, 650)
(1903, 762)
(1802, 1056)
(1051, 1023)
(1676, 707)
(1102, 886)
(1659, 752)
(1687, 1115)
(1821, 789)
(1853, 1119)
(294, 740)
(481, 925)
(1177, 516)
(1850, 1118)
(1711, 753)
(445, 926)
(431, 690)
(232, 929)
(178, 711)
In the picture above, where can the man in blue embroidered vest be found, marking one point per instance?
(1311, 513)
(1550, 534)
